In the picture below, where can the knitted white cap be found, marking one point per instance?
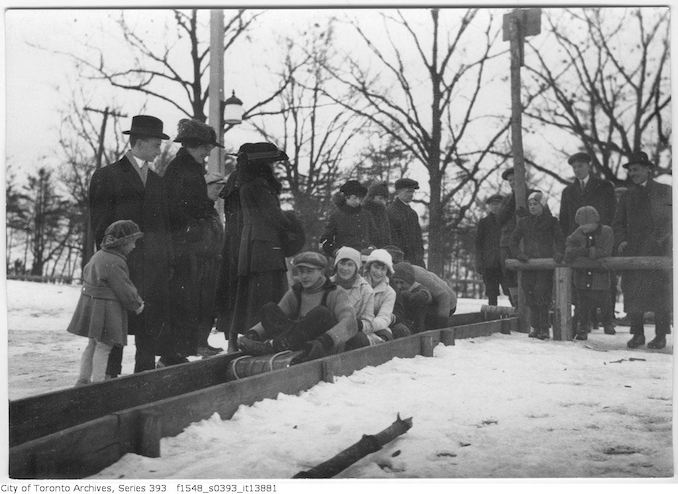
(348, 253)
(538, 196)
(382, 256)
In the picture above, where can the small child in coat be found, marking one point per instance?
(590, 240)
(541, 236)
(107, 294)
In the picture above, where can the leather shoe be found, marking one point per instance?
(252, 347)
(581, 336)
(657, 343)
(636, 341)
(609, 329)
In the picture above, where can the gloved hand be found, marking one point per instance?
(522, 257)
(558, 257)
(140, 309)
(315, 349)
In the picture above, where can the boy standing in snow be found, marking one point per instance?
(590, 240)
(107, 294)
(313, 316)
(542, 237)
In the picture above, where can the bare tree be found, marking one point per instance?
(315, 131)
(609, 85)
(438, 130)
(155, 70)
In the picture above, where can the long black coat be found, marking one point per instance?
(350, 227)
(381, 236)
(487, 243)
(644, 220)
(116, 192)
(406, 231)
(598, 193)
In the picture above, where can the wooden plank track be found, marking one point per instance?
(43, 414)
(88, 447)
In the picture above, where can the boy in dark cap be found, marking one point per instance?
(488, 254)
(404, 222)
(312, 316)
(349, 225)
(412, 299)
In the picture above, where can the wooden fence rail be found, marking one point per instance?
(562, 320)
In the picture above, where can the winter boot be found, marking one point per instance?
(252, 347)
(637, 340)
(658, 342)
(543, 334)
(581, 336)
(609, 329)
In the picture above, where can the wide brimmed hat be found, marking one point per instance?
(261, 151)
(638, 158)
(581, 156)
(382, 256)
(507, 172)
(404, 271)
(194, 130)
(146, 126)
(586, 215)
(406, 183)
(119, 232)
(353, 188)
(310, 259)
(494, 198)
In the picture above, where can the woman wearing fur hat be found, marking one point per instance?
(375, 203)
(107, 294)
(191, 212)
(261, 259)
(347, 277)
(542, 237)
(349, 225)
(590, 240)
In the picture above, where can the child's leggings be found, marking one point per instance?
(93, 362)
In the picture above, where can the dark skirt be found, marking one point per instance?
(253, 291)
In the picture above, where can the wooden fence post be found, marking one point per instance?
(150, 433)
(523, 311)
(427, 345)
(562, 320)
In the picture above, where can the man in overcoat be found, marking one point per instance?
(488, 254)
(130, 190)
(643, 227)
(588, 190)
(404, 222)
(190, 212)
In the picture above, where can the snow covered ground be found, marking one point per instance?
(503, 406)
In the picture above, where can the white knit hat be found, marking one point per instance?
(348, 253)
(382, 256)
(538, 196)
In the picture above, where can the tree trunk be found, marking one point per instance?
(435, 226)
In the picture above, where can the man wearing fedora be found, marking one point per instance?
(643, 227)
(190, 214)
(588, 190)
(404, 222)
(130, 190)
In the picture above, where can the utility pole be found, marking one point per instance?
(88, 242)
(517, 25)
(216, 89)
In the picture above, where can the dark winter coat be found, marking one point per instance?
(197, 237)
(106, 296)
(406, 231)
(487, 243)
(350, 227)
(506, 218)
(598, 193)
(411, 307)
(381, 235)
(541, 237)
(228, 273)
(594, 245)
(116, 192)
(644, 220)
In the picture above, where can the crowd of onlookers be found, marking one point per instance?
(168, 268)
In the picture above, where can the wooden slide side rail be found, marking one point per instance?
(612, 263)
(87, 448)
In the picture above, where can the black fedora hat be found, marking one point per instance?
(146, 126)
(638, 158)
